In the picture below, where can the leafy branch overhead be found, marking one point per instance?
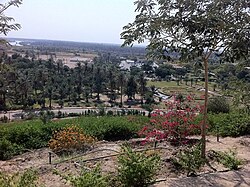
(194, 28)
(6, 24)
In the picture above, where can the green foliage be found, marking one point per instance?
(18, 136)
(131, 87)
(29, 136)
(110, 113)
(114, 132)
(218, 105)
(148, 107)
(229, 159)
(4, 119)
(89, 178)
(27, 179)
(136, 169)
(8, 149)
(111, 128)
(6, 22)
(241, 93)
(101, 111)
(189, 160)
(231, 124)
(189, 34)
(180, 98)
(187, 28)
(45, 117)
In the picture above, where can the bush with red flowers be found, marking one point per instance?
(175, 123)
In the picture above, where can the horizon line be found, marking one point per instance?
(59, 40)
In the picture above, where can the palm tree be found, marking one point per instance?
(112, 83)
(49, 93)
(121, 80)
(131, 88)
(142, 84)
(79, 78)
(25, 87)
(98, 82)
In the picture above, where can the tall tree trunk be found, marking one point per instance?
(98, 96)
(142, 95)
(50, 100)
(91, 91)
(4, 101)
(86, 95)
(203, 127)
(121, 95)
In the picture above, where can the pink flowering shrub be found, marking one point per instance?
(175, 123)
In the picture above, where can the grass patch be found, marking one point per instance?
(171, 87)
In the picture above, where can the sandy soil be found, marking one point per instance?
(38, 159)
(221, 178)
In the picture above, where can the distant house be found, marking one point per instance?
(177, 66)
(127, 64)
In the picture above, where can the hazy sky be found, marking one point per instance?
(75, 20)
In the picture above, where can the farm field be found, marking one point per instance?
(171, 87)
(68, 58)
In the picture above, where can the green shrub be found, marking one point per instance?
(232, 124)
(30, 116)
(8, 149)
(218, 105)
(180, 98)
(136, 169)
(114, 132)
(27, 179)
(89, 178)
(46, 116)
(4, 119)
(110, 113)
(189, 160)
(72, 114)
(229, 160)
(30, 137)
(101, 111)
(33, 134)
(112, 128)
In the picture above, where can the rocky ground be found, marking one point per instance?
(167, 176)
